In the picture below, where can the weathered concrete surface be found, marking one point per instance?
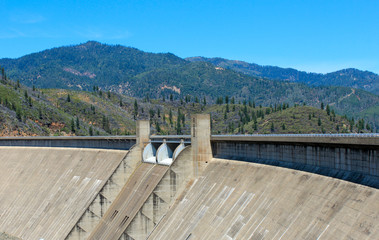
(355, 163)
(44, 191)
(200, 141)
(129, 201)
(143, 132)
(240, 200)
(96, 210)
(163, 196)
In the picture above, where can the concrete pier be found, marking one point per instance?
(201, 141)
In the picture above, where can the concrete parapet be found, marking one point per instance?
(309, 139)
(351, 162)
(98, 142)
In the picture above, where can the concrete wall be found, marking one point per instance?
(120, 143)
(242, 200)
(101, 203)
(44, 191)
(162, 198)
(351, 162)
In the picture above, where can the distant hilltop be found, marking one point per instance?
(350, 77)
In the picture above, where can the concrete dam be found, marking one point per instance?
(190, 187)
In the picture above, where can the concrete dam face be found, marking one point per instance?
(187, 191)
(239, 200)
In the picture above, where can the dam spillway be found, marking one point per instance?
(241, 187)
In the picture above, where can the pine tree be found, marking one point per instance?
(77, 122)
(68, 98)
(90, 131)
(151, 113)
(19, 114)
(72, 125)
(170, 117)
(178, 127)
(30, 101)
(327, 109)
(183, 119)
(135, 108)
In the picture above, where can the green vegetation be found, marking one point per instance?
(112, 86)
(48, 112)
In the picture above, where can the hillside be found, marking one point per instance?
(134, 73)
(351, 77)
(32, 112)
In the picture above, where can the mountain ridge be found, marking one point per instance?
(349, 77)
(139, 74)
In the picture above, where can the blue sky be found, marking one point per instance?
(314, 36)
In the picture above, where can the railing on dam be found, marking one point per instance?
(101, 142)
(362, 139)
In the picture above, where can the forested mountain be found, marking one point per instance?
(31, 111)
(135, 73)
(351, 77)
(83, 66)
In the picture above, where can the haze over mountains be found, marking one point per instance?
(139, 74)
